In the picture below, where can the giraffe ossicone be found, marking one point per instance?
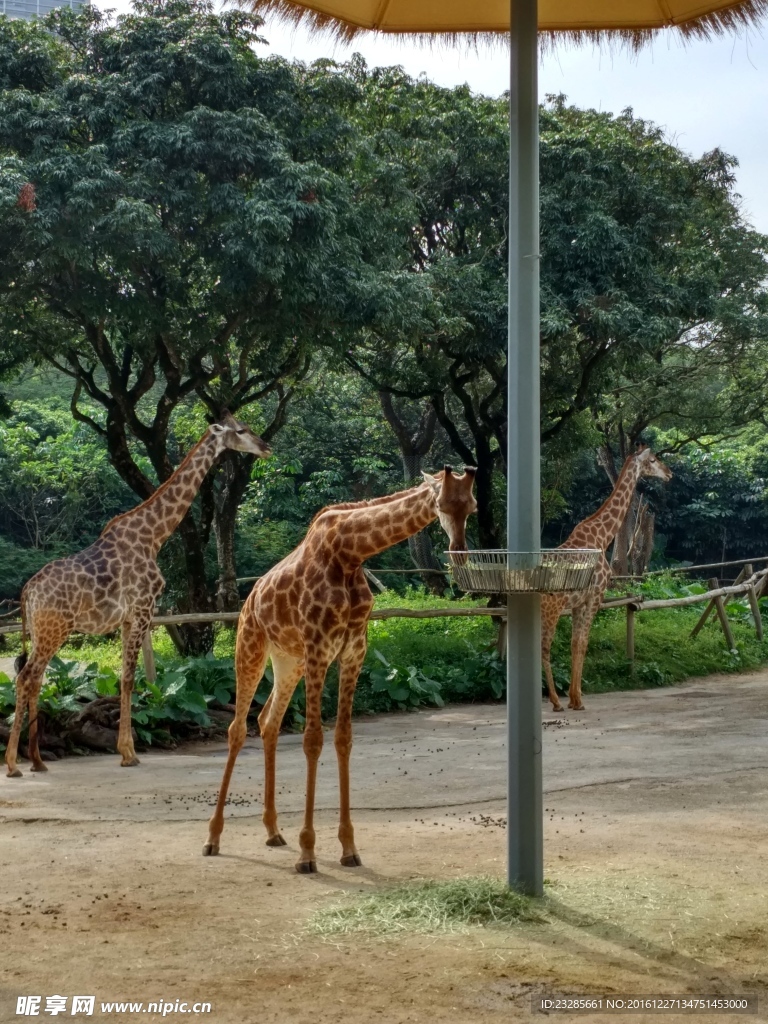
(596, 531)
(312, 609)
(113, 583)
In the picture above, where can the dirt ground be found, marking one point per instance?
(656, 858)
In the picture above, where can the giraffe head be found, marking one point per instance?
(455, 502)
(651, 465)
(231, 433)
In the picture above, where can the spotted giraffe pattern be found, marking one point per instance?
(312, 609)
(597, 531)
(113, 583)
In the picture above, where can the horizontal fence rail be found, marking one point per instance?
(749, 583)
(637, 602)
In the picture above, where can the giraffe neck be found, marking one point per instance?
(599, 530)
(156, 518)
(364, 532)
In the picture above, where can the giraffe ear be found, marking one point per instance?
(433, 482)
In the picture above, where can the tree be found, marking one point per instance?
(651, 280)
(192, 236)
(440, 151)
(55, 481)
(415, 439)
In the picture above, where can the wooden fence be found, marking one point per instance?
(749, 584)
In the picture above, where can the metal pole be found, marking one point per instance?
(524, 816)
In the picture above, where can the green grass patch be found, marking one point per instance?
(427, 906)
(665, 652)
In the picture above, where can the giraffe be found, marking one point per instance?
(597, 531)
(112, 583)
(312, 609)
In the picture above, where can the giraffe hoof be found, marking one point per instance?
(39, 767)
(131, 763)
(211, 850)
(352, 860)
(276, 841)
(306, 867)
(557, 707)
(576, 707)
(15, 774)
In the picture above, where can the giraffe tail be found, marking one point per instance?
(22, 659)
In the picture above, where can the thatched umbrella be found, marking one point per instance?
(631, 22)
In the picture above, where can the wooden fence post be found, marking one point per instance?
(762, 586)
(705, 614)
(753, 604)
(149, 657)
(719, 605)
(631, 632)
(714, 584)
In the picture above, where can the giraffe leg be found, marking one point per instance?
(49, 635)
(24, 684)
(287, 673)
(133, 634)
(550, 613)
(314, 678)
(250, 659)
(33, 749)
(583, 615)
(350, 664)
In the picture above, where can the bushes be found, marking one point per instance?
(411, 663)
(18, 564)
(665, 653)
(172, 707)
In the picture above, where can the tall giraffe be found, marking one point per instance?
(597, 531)
(312, 609)
(112, 583)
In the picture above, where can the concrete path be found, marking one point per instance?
(641, 742)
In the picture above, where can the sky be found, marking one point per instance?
(704, 94)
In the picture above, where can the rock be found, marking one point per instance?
(221, 716)
(92, 735)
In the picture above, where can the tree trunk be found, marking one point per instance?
(485, 460)
(642, 540)
(487, 529)
(414, 445)
(196, 637)
(620, 556)
(235, 475)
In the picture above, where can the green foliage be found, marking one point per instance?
(652, 285)
(56, 485)
(665, 653)
(67, 687)
(17, 564)
(198, 234)
(407, 689)
(716, 506)
(180, 697)
(182, 693)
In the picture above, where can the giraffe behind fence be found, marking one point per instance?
(596, 531)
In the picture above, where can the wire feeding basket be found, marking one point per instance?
(518, 572)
